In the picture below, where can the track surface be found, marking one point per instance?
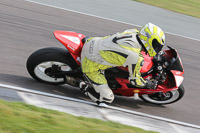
(26, 27)
(132, 12)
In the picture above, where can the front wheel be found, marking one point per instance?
(44, 62)
(167, 98)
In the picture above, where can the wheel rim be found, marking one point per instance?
(40, 71)
(171, 96)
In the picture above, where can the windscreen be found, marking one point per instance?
(175, 63)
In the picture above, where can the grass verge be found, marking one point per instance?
(16, 117)
(188, 7)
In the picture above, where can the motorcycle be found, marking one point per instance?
(62, 66)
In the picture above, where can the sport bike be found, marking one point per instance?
(62, 66)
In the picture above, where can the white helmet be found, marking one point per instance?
(153, 38)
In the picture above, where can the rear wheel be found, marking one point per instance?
(166, 98)
(44, 62)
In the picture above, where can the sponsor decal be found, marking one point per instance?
(91, 47)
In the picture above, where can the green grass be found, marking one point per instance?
(188, 7)
(18, 117)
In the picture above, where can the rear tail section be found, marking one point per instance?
(72, 41)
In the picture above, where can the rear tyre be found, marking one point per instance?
(168, 98)
(43, 62)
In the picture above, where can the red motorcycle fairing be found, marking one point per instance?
(72, 41)
(178, 76)
(177, 67)
(126, 91)
(147, 63)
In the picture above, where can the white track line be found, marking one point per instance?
(91, 103)
(44, 93)
(105, 18)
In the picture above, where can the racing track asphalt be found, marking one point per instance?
(26, 27)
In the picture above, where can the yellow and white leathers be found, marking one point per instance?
(98, 54)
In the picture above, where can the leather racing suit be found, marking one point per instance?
(98, 54)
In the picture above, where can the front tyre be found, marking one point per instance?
(167, 98)
(44, 62)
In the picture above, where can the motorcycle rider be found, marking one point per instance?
(120, 49)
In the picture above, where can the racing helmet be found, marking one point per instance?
(153, 38)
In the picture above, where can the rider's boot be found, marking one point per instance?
(88, 91)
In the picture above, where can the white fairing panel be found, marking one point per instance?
(179, 80)
(72, 38)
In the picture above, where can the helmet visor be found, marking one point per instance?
(157, 46)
